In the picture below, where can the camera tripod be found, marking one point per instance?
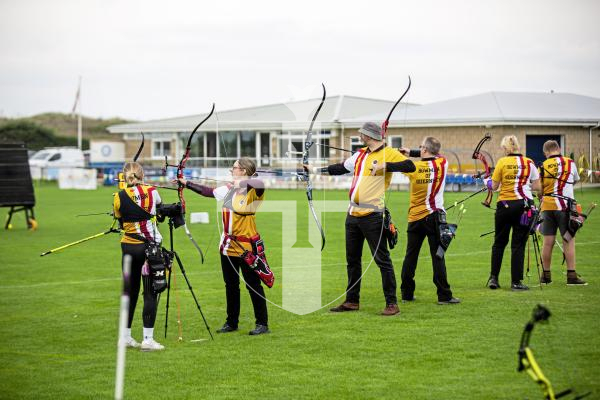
(173, 255)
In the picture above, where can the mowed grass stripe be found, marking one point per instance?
(59, 321)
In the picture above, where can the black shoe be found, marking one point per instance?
(518, 287)
(227, 328)
(493, 282)
(259, 330)
(453, 300)
(345, 306)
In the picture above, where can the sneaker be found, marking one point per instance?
(131, 342)
(453, 300)
(151, 345)
(345, 306)
(492, 282)
(391, 309)
(546, 278)
(412, 299)
(574, 280)
(227, 328)
(577, 281)
(518, 287)
(259, 330)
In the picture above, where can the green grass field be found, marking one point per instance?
(58, 325)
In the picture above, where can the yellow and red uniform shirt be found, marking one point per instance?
(427, 184)
(515, 173)
(559, 175)
(147, 198)
(367, 192)
(239, 219)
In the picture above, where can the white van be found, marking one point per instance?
(57, 157)
(46, 163)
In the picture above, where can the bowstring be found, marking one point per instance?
(389, 198)
(217, 217)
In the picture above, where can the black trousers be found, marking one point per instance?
(416, 233)
(231, 267)
(370, 228)
(508, 216)
(138, 258)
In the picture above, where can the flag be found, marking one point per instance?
(76, 98)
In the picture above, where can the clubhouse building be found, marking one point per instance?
(273, 134)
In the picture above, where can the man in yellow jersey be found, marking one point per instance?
(364, 220)
(425, 214)
(559, 175)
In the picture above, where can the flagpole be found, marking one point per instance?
(79, 139)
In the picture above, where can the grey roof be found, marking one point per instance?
(290, 115)
(498, 108)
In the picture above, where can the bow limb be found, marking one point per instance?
(180, 187)
(527, 361)
(135, 158)
(305, 176)
(533, 369)
(385, 124)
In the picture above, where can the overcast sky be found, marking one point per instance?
(158, 59)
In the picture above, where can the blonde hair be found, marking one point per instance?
(247, 164)
(510, 144)
(133, 173)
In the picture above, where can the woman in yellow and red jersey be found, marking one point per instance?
(365, 214)
(559, 175)
(516, 176)
(241, 200)
(425, 214)
(135, 207)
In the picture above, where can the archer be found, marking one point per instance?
(560, 210)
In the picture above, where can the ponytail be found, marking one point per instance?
(510, 144)
(133, 173)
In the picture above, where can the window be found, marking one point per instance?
(265, 148)
(228, 145)
(55, 157)
(355, 143)
(197, 145)
(395, 141)
(325, 148)
(42, 155)
(291, 144)
(248, 144)
(161, 148)
(211, 144)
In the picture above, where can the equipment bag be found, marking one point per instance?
(446, 232)
(156, 261)
(257, 261)
(531, 217)
(576, 219)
